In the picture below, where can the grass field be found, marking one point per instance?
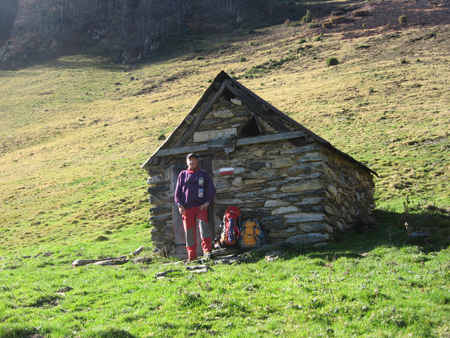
(75, 130)
(374, 286)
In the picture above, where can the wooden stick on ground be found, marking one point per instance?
(164, 273)
(106, 261)
(138, 250)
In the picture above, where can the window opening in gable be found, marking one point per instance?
(250, 128)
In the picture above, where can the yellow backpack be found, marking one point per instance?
(252, 235)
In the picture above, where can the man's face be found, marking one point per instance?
(192, 163)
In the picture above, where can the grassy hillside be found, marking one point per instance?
(74, 131)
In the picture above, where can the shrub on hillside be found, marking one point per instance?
(242, 59)
(295, 24)
(307, 17)
(402, 19)
(360, 13)
(336, 21)
(319, 38)
(332, 61)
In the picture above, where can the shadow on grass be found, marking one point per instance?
(24, 332)
(70, 61)
(16, 332)
(112, 333)
(82, 61)
(429, 230)
(45, 300)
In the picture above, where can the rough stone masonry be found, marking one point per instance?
(306, 194)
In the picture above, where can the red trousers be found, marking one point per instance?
(190, 219)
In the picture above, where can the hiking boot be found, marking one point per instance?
(209, 255)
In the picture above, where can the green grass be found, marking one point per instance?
(379, 285)
(75, 130)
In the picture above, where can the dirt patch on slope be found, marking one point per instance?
(384, 16)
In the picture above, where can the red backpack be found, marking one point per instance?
(230, 230)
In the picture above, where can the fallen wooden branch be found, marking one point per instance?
(199, 267)
(81, 262)
(138, 250)
(117, 261)
(200, 271)
(107, 261)
(164, 273)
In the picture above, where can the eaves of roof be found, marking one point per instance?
(222, 76)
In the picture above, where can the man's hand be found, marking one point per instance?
(182, 210)
(204, 206)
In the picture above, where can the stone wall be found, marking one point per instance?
(300, 194)
(161, 189)
(281, 185)
(305, 194)
(352, 194)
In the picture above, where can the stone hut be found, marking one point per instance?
(299, 186)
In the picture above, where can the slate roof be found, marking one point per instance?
(257, 105)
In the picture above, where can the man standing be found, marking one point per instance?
(194, 192)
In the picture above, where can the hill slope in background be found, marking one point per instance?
(130, 31)
(75, 130)
(127, 31)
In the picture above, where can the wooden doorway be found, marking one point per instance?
(205, 163)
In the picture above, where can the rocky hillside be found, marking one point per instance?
(127, 30)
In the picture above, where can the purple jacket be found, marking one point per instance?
(194, 188)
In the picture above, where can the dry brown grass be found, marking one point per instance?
(75, 131)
